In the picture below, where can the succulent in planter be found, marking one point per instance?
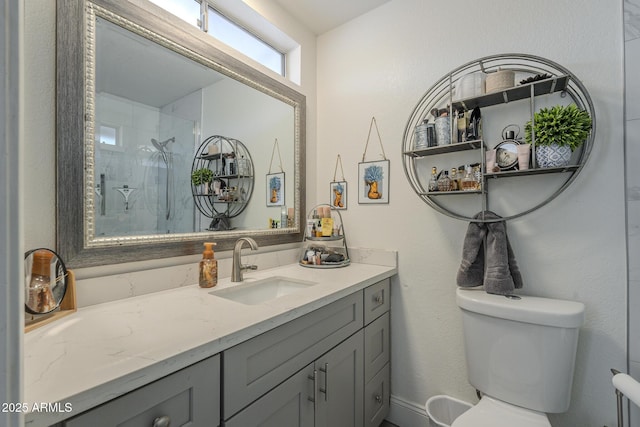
(559, 130)
(201, 176)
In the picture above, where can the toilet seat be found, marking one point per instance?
(490, 412)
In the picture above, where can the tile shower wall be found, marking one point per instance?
(159, 198)
(632, 155)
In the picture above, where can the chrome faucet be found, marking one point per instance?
(238, 267)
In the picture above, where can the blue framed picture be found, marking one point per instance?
(373, 182)
(275, 189)
(338, 195)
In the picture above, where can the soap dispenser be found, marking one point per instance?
(208, 267)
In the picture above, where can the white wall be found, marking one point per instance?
(380, 65)
(238, 118)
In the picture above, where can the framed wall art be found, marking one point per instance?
(275, 189)
(373, 182)
(338, 195)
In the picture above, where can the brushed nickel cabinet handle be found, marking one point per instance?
(314, 379)
(325, 390)
(163, 421)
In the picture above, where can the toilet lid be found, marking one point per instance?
(490, 412)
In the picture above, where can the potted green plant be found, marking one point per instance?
(559, 131)
(202, 176)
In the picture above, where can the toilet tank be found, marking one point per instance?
(521, 349)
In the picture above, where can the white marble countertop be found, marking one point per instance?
(106, 350)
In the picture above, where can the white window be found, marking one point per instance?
(108, 135)
(226, 30)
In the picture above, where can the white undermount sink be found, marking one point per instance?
(259, 291)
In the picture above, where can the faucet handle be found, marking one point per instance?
(249, 267)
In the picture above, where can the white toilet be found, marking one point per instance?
(520, 354)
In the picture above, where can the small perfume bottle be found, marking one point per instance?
(469, 182)
(444, 183)
(433, 182)
(454, 179)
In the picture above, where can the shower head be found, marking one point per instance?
(161, 145)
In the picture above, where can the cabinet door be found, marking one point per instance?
(376, 346)
(376, 398)
(256, 366)
(190, 397)
(290, 404)
(341, 385)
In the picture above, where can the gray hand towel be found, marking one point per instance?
(471, 269)
(496, 268)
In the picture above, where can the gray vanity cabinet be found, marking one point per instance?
(189, 397)
(327, 368)
(326, 393)
(332, 363)
(376, 353)
(256, 366)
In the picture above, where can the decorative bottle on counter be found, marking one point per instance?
(208, 267)
(433, 182)
(40, 298)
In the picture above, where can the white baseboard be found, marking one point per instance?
(407, 414)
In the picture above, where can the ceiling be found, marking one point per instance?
(321, 16)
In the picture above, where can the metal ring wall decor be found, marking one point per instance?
(544, 77)
(232, 177)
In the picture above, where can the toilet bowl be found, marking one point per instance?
(520, 353)
(490, 412)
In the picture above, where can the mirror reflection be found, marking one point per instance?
(137, 95)
(45, 279)
(153, 109)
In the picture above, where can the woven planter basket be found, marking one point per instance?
(500, 80)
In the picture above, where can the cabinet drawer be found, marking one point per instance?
(254, 367)
(376, 300)
(376, 398)
(190, 397)
(376, 345)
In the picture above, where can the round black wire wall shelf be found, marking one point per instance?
(542, 83)
(226, 163)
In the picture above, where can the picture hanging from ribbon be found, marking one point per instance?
(373, 176)
(275, 181)
(338, 189)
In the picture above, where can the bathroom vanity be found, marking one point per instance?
(319, 355)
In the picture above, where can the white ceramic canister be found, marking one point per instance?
(471, 85)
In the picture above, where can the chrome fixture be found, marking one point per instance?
(161, 146)
(238, 267)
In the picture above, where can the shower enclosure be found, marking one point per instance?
(142, 169)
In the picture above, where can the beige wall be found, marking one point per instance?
(380, 65)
